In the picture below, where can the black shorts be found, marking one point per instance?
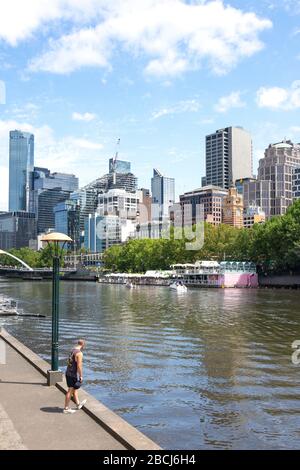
(73, 382)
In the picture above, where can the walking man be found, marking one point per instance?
(74, 377)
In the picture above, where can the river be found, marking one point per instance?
(208, 369)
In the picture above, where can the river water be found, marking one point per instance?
(208, 369)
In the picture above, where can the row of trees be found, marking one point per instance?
(273, 246)
(35, 259)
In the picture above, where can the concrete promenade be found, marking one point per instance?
(31, 414)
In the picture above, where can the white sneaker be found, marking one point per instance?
(69, 411)
(81, 404)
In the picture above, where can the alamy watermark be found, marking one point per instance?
(178, 223)
(2, 352)
(2, 92)
(296, 353)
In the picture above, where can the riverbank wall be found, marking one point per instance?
(287, 281)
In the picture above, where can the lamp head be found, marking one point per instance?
(56, 238)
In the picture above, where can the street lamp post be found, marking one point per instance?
(57, 241)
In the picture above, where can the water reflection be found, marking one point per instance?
(208, 369)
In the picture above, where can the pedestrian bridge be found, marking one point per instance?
(2, 252)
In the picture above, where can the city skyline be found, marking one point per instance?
(161, 101)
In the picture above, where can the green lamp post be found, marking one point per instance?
(57, 242)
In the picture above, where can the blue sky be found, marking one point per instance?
(158, 74)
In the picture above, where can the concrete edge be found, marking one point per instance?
(122, 431)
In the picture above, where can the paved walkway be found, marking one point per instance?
(31, 413)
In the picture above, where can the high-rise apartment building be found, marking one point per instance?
(228, 157)
(163, 195)
(278, 166)
(21, 163)
(233, 207)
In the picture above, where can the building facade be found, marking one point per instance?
(87, 199)
(44, 179)
(92, 242)
(163, 195)
(233, 207)
(253, 215)
(144, 206)
(67, 221)
(119, 177)
(49, 189)
(17, 230)
(103, 231)
(210, 198)
(118, 202)
(278, 166)
(296, 183)
(154, 230)
(21, 164)
(258, 193)
(228, 157)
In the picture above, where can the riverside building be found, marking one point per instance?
(210, 198)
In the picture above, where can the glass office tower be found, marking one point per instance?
(21, 162)
(163, 195)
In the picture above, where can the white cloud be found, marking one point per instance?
(86, 117)
(19, 20)
(294, 131)
(280, 98)
(86, 144)
(230, 101)
(207, 121)
(173, 35)
(185, 106)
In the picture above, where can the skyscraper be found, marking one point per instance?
(228, 157)
(21, 162)
(163, 195)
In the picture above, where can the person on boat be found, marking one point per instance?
(74, 377)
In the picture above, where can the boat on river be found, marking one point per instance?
(129, 285)
(9, 308)
(178, 287)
